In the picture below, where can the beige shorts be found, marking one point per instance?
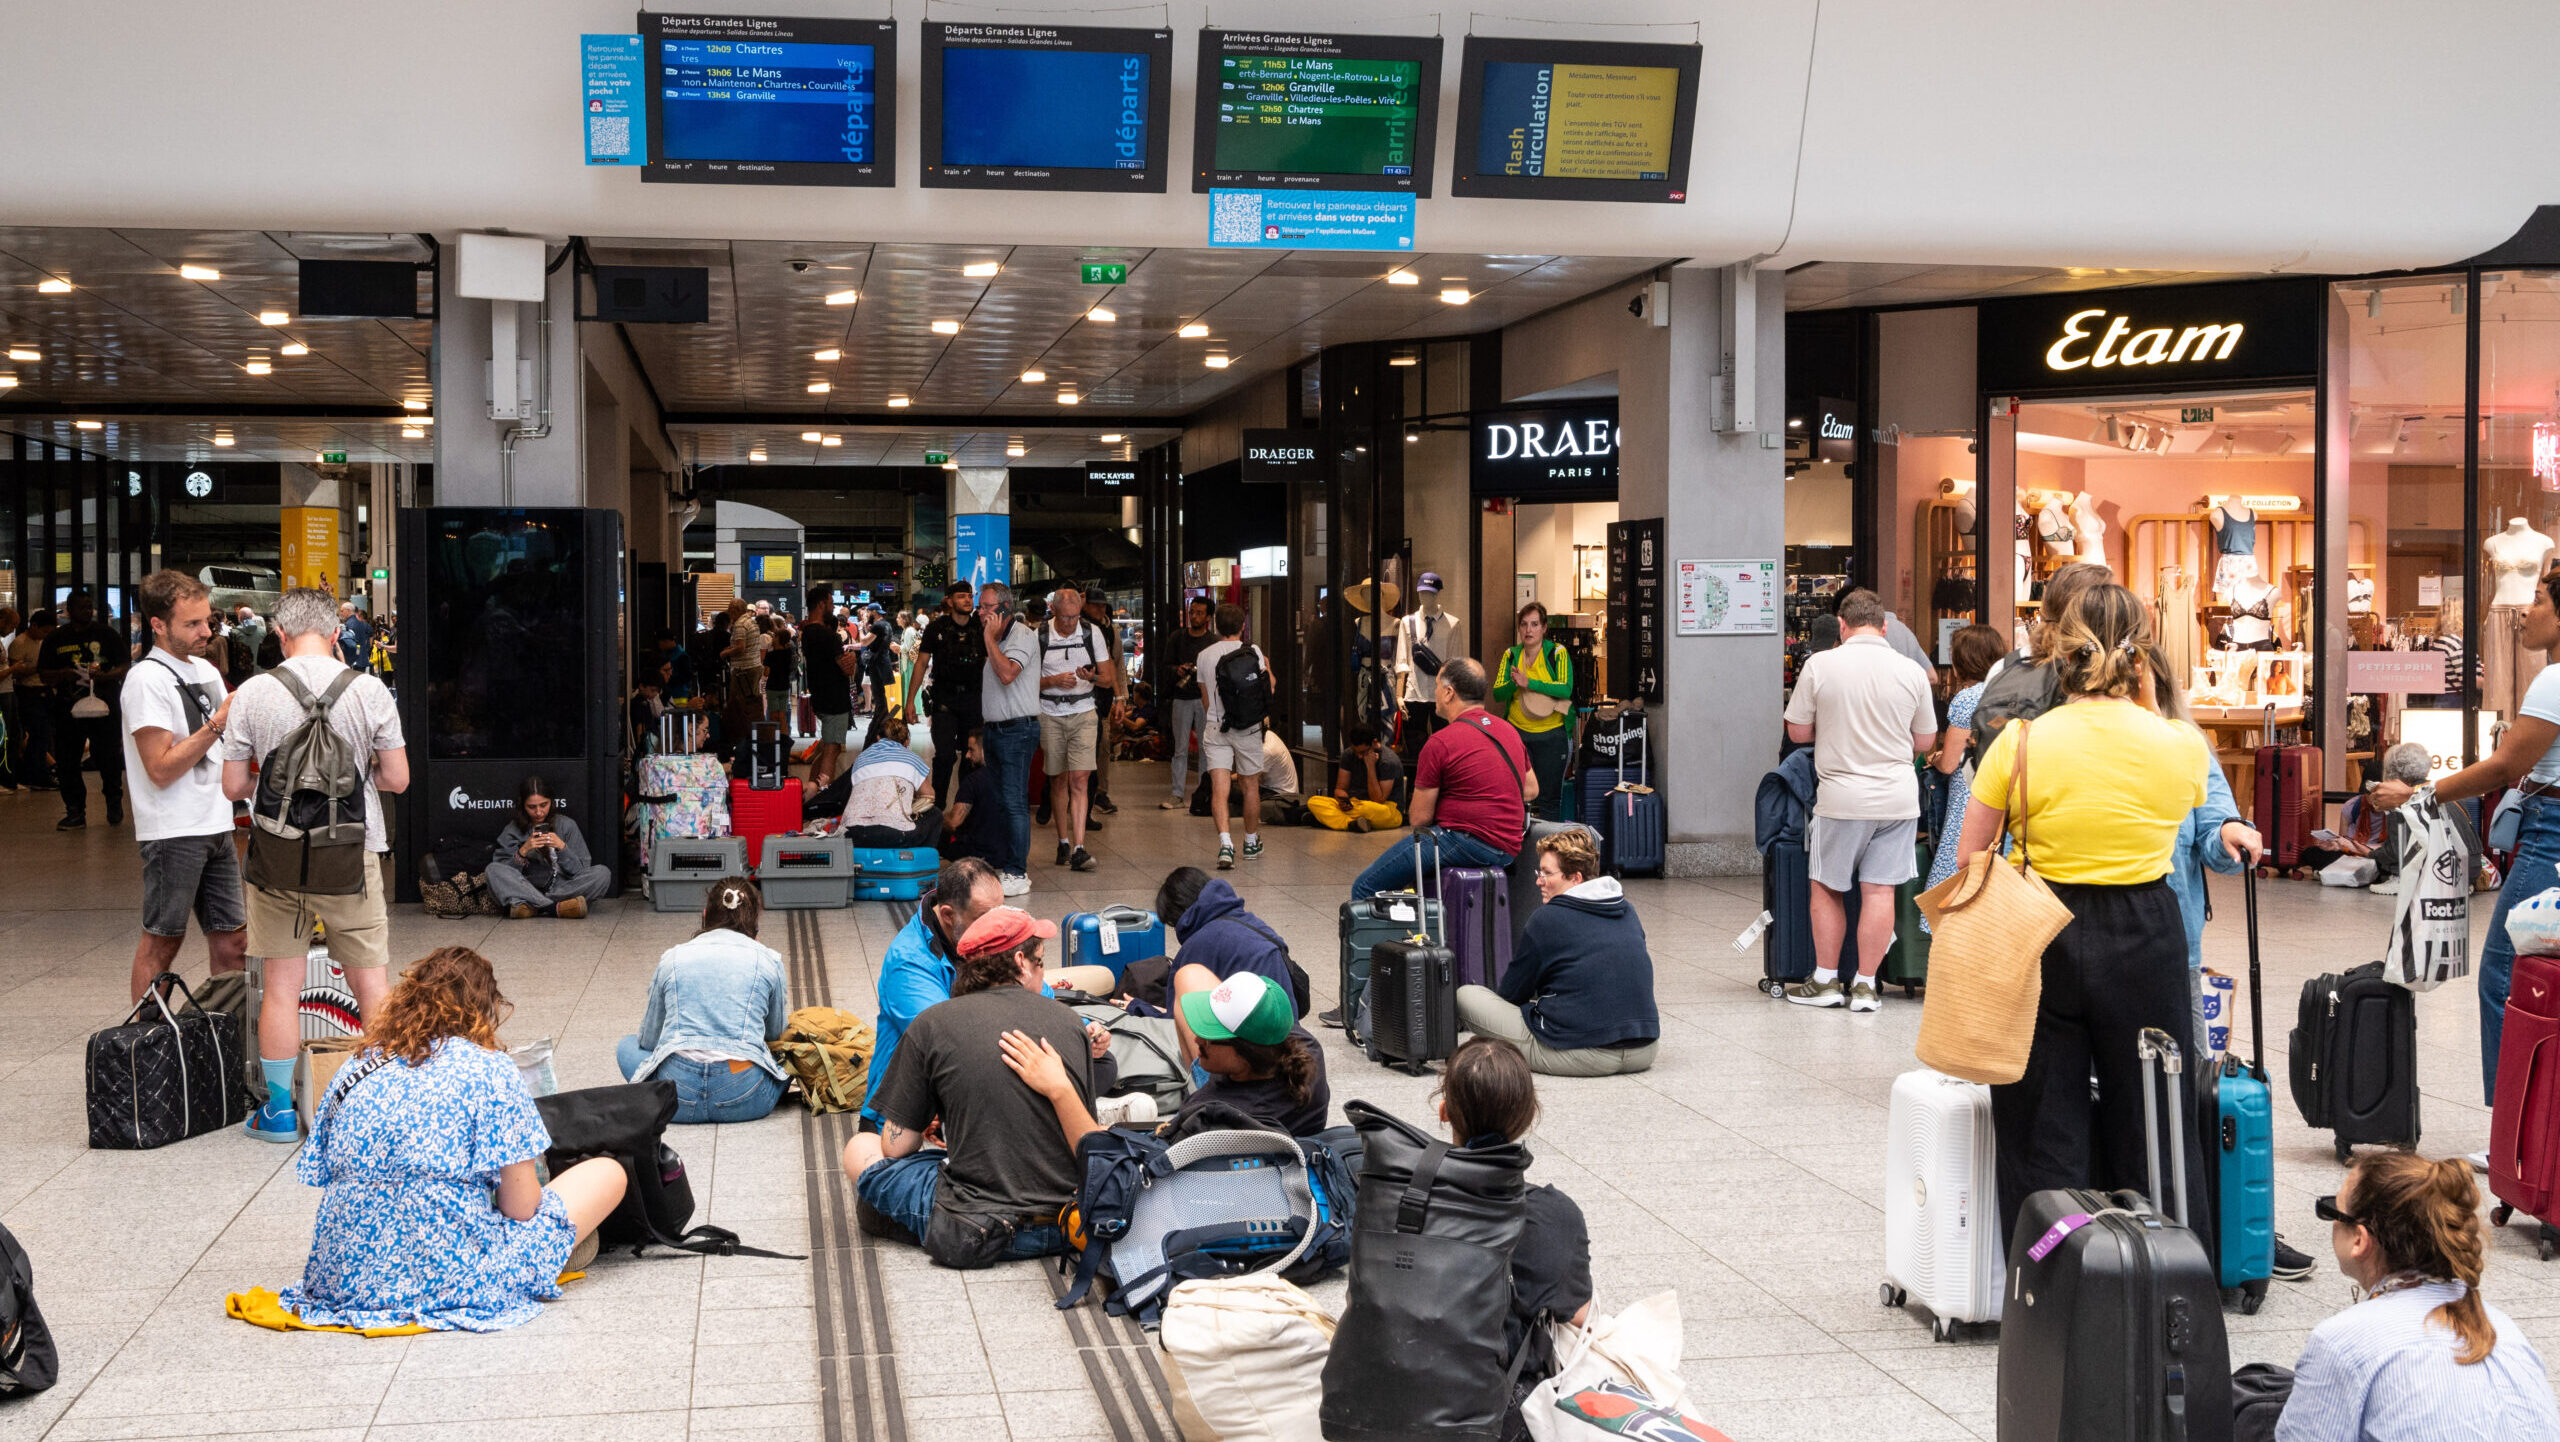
(1236, 752)
(1067, 743)
(359, 926)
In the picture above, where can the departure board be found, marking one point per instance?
(1281, 111)
(1045, 107)
(756, 100)
(1557, 120)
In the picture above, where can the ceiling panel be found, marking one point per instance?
(1826, 285)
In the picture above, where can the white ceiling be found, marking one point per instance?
(1832, 285)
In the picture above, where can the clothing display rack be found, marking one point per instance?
(2185, 542)
(1942, 561)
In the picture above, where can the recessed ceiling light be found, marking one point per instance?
(1102, 315)
(7, 381)
(53, 287)
(819, 388)
(412, 433)
(88, 425)
(296, 348)
(1403, 277)
(1070, 398)
(1412, 436)
(946, 327)
(1217, 362)
(259, 368)
(832, 441)
(756, 455)
(1016, 452)
(809, 436)
(980, 268)
(1455, 295)
(1113, 439)
(413, 405)
(830, 353)
(25, 353)
(1034, 377)
(222, 440)
(1193, 331)
(274, 317)
(843, 297)
(199, 272)
(1404, 358)
(951, 465)
(898, 403)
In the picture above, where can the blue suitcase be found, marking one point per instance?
(1114, 937)
(1592, 801)
(2242, 1144)
(893, 873)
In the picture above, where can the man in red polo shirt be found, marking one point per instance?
(1471, 789)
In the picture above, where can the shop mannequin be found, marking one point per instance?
(1427, 625)
(2515, 558)
(2235, 540)
(2025, 531)
(2092, 531)
(1961, 492)
(2253, 609)
(2055, 527)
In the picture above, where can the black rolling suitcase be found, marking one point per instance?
(1413, 995)
(2354, 1059)
(1387, 916)
(2112, 1327)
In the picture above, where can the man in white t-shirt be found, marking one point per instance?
(1232, 755)
(1867, 711)
(1075, 663)
(175, 706)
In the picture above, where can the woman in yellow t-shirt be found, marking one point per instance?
(2108, 781)
(1533, 688)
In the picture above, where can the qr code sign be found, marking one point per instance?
(609, 134)
(1235, 218)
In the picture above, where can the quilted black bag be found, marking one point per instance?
(27, 1360)
(628, 1123)
(164, 1075)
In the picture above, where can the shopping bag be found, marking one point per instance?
(2533, 924)
(2431, 920)
(1989, 925)
(1619, 1379)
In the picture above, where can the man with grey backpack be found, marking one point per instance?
(324, 740)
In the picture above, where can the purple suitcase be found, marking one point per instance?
(1477, 906)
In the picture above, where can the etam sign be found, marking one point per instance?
(2243, 331)
(1552, 451)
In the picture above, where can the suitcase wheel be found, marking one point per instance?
(2250, 1295)
(2498, 1214)
(1891, 1295)
(2547, 1243)
(1942, 1330)
(2346, 1153)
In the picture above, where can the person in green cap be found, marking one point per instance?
(1260, 1063)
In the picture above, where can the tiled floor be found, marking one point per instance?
(1744, 1171)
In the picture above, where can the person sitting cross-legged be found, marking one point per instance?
(1365, 783)
(1578, 997)
(716, 1003)
(540, 865)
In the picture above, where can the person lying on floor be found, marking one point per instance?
(425, 1144)
(540, 865)
(714, 1004)
(1258, 1060)
(877, 794)
(968, 1162)
(1578, 996)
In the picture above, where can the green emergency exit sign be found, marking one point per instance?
(2194, 415)
(380, 574)
(333, 458)
(1098, 273)
(935, 458)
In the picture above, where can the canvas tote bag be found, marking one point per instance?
(1989, 926)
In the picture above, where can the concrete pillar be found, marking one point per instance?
(1720, 497)
(473, 467)
(981, 517)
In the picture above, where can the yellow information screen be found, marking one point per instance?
(1578, 121)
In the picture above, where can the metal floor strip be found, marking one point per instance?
(1120, 1362)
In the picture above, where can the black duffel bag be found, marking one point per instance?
(27, 1359)
(164, 1075)
(628, 1123)
(1419, 1351)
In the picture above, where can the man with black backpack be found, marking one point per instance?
(1236, 682)
(325, 740)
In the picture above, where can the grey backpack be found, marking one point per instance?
(1147, 1050)
(306, 819)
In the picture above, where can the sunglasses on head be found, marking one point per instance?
(2327, 1210)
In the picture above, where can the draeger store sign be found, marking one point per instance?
(1556, 452)
(2168, 335)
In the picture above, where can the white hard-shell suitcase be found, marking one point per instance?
(1942, 1202)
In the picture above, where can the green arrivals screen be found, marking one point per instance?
(1311, 114)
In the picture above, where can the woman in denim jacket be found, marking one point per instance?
(714, 1004)
(2213, 836)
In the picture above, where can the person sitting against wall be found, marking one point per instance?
(1578, 997)
(1366, 782)
(425, 1144)
(540, 866)
(714, 1004)
(877, 793)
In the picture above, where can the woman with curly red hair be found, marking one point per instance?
(426, 1143)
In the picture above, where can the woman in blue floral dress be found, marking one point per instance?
(426, 1143)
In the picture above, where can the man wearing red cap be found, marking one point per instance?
(991, 1190)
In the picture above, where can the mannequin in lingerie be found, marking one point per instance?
(2025, 530)
(2515, 558)
(2054, 527)
(2092, 531)
(2235, 540)
(2253, 609)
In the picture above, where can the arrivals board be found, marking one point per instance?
(758, 100)
(1286, 110)
(1575, 120)
(1045, 107)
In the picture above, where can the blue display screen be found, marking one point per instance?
(1060, 109)
(760, 100)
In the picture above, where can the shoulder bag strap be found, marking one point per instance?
(1485, 729)
(2018, 795)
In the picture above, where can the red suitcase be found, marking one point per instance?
(755, 815)
(2524, 1126)
(2288, 805)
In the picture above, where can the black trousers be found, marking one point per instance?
(1421, 718)
(950, 742)
(2120, 966)
(105, 745)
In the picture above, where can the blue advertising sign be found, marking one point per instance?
(617, 120)
(1311, 219)
(982, 549)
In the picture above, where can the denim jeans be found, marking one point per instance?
(1189, 719)
(2536, 871)
(902, 1189)
(1394, 870)
(1009, 746)
(706, 1091)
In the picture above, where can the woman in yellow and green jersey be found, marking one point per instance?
(1533, 689)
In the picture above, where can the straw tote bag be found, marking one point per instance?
(1989, 926)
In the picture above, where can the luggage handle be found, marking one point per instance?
(2159, 1052)
(2257, 1010)
(2533, 1063)
(1439, 893)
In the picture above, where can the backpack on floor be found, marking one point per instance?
(628, 1123)
(1150, 1213)
(1147, 1050)
(306, 817)
(828, 1052)
(27, 1358)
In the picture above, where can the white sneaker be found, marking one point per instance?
(2388, 886)
(1016, 884)
(1863, 996)
(1137, 1109)
(2479, 1161)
